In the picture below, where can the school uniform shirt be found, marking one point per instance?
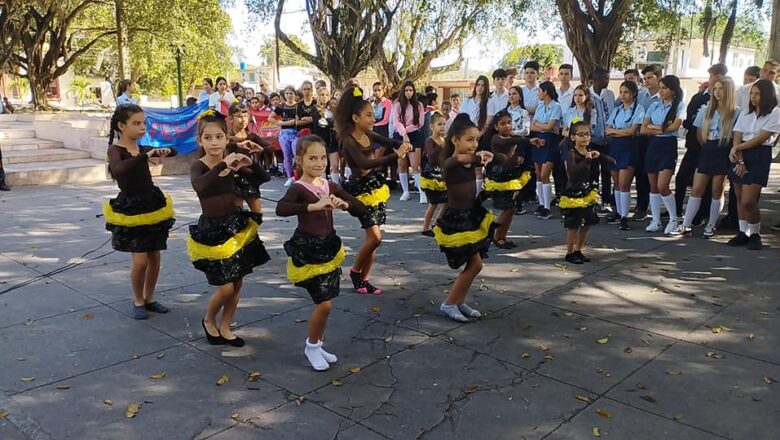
(743, 95)
(124, 100)
(521, 121)
(750, 125)
(714, 131)
(622, 117)
(546, 113)
(530, 98)
(646, 99)
(203, 96)
(215, 102)
(565, 98)
(607, 98)
(470, 106)
(657, 114)
(497, 102)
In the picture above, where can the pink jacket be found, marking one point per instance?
(408, 124)
(386, 104)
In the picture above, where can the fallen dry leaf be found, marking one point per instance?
(543, 347)
(4, 414)
(388, 339)
(223, 380)
(596, 432)
(561, 266)
(628, 349)
(679, 416)
(603, 340)
(161, 355)
(471, 390)
(548, 357)
(235, 416)
(581, 397)
(713, 355)
(300, 320)
(375, 309)
(108, 402)
(525, 355)
(88, 316)
(300, 400)
(751, 336)
(63, 386)
(768, 380)
(648, 398)
(336, 383)
(639, 386)
(603, 413)
(157, 376)
(27, 379)
(673, 372)
(355, 370)
(254, 375)
(132, 410)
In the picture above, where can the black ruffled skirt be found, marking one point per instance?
(139, 222)
(578, 205)
(314, 263)
(462, 233)
(247, 187)
(226, 248)
(432, 183)
(503, 184)
(372, 192)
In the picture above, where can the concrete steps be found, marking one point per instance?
(55, 173)
(42, 155)
(15, 144)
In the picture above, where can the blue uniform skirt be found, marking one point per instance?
(624, 151)
(550, 151)
(757, 161)
(714, 159)
(661, 154)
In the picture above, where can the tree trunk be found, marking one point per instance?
(708, 23)
(123, 47)
(591, 35)
(774, 37)
(38, 87)
(728, 32)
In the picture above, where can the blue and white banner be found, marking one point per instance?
(175, 127)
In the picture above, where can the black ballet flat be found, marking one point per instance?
(235, 342)
(213, 340)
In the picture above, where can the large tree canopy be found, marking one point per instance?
(286, 56)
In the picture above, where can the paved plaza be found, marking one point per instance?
(658, 338)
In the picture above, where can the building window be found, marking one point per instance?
(252, 77)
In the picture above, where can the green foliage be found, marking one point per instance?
(80, 88)
(548, 55)
(286, 56)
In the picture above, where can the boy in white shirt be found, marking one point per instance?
(531, 89)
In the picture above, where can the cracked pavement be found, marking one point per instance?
(657, 338)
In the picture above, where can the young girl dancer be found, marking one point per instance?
(315, 251)
(224, 244)
(505, 177)
(622, 128)
(715, 124)
(284, 115)
(578, 203)
(466, 229)
(140, 217)
(662, 120)
(754, 135)
(431, 180)
(354, 118)
(545, 127)
(408, 119)
(247, 186)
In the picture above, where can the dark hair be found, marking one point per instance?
(460, 124)
(454, 95)
(673, 83)
(124, 84)
(209, 81)
(431, 98)
(753, 71)
(306, 82)
(221, 78)
(349, 105)
(768, 99)
(532, 65)
(435, 116)
(549, 88)
(414, 102)
(236, 87)
(483, 100)
(511, 71)
(718, 69)
(566, 66)
(519, 91)
(378, 83)
(493, 129)
(634, 89)
(272, 96)
(599, 73)
(429, 89)
(631, 72)
(320, 83)
(192, 100)
(303, 144)
(586, 115)
(655, 69)
(121, 114)
(284, 92)
(209, 117)
(575, 125)
(236, 107)
(499, 73)
(258, 95)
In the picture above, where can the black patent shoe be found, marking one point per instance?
(213, 340)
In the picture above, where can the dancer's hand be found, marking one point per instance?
(249, 145)
(232, 160)
(485, 157)
(243, 161)
(593, 154)
(339, 203)
(160, 152)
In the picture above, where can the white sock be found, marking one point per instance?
(313, 354)
(347, 173)
(626, 203)
(453, 312)
(540, 192)
(619, 203)
(743, 226)
(671, 206)
(754, 229)
(655, 207)
(335, 178)
(479, 183)
(715, 208)
(329, 357)
(547, 187)
(404, 178)
(416, 177)
(690, 210)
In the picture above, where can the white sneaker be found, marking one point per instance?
(654, 227)
(423, 198)
(680, 230)
(671, 227)
(709, 231)
(289, 182)
(468, 311)
(404, 197)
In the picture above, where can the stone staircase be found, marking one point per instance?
(29, 160)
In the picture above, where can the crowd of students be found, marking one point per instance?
(578, 148)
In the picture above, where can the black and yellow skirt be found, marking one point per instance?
(503, 184)
(372, 192)
(462, 233)
(139, 222)
(578, 205)
(314, 263)
(226, 248)
(432, 183)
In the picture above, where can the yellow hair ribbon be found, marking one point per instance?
(576, 120)
(357, 93)
(206, 113)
